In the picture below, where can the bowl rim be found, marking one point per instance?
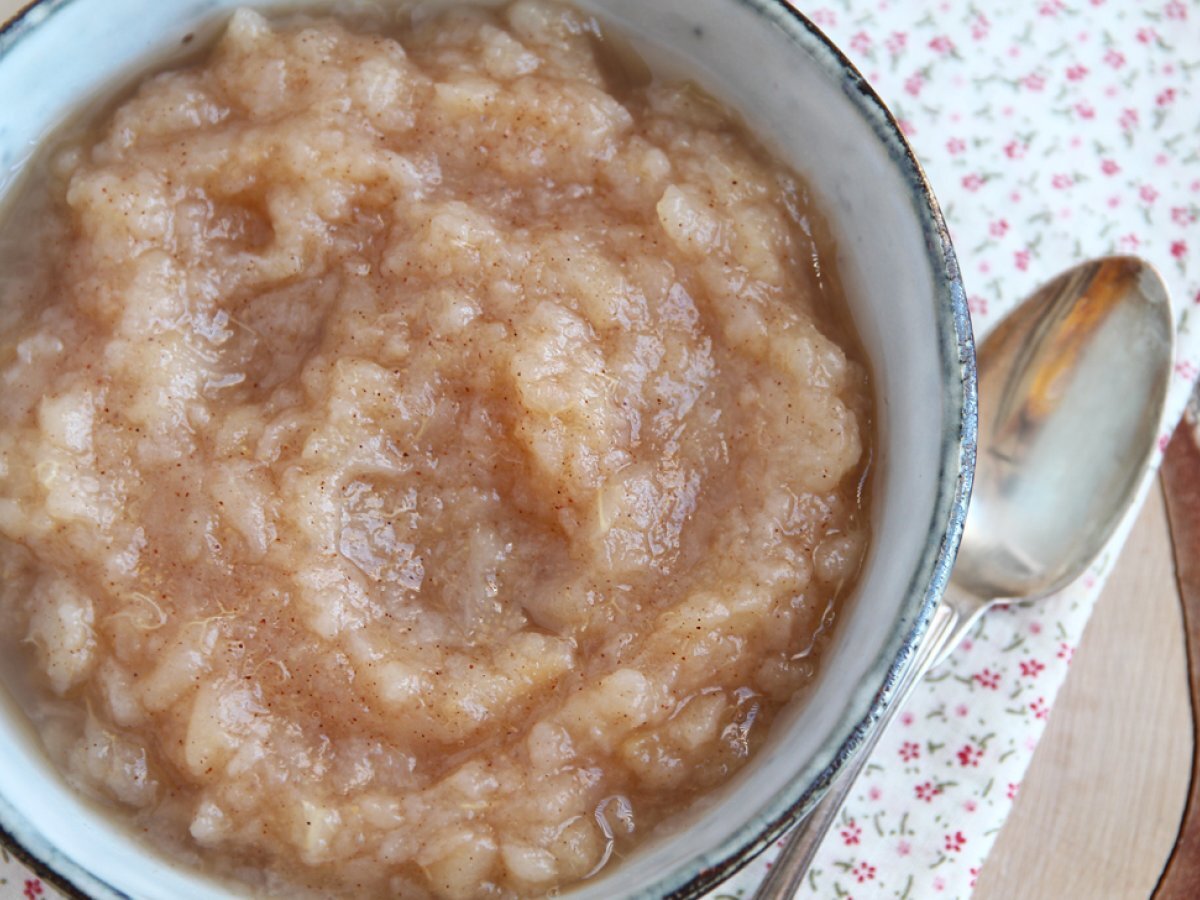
(956, 346)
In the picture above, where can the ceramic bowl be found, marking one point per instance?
(809, 104)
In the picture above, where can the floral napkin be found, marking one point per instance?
(1052, 131)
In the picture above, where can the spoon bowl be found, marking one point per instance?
(1071, 389)
(1071, 392)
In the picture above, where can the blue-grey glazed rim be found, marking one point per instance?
(956, 344)
(956, 471)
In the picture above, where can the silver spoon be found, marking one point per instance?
(1071, 391)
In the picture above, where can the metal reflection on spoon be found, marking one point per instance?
(1071, 388)
(1071, 392)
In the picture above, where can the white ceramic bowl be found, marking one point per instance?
(801, 96)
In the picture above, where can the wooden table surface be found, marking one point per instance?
(1098, 812)
(1099, 809)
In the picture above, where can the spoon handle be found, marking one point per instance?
(946, 629)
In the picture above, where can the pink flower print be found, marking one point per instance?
(969, 756)
(914, 82)
(1185, 370)
(1076, 72)
(1039, 708)
(962, 710)
(852, 834)
(1061, 182)
(1021, 260)
(1035, 627)
(863, 872)
(939, 883)
(1013, 787)
(1085, 110)
(988, 680)
(1114, 58)
(978, 306)
(1146, 35)
(910, 751)
(874, 794)
(1065, 651)
(907, 718)
(1031, 668)
(927, 791)
(955, 146)
(1109, 167)
(967, 643)
(970, 806)
(1178, 249)
(1034, 81)
(896, 42)
(1114, 201)
(974, 872)
(33, 888)
(942, 44)
(861, 42)
(972, 182)
(955, 842)
(907, 127)
(903, 848)
(1175, 10)
(1165, 98)
(1129, 119)
(1181, 215)
(825, 18)
(1148, 193)
(1051, 8)
(1015, 149)
(980, 27)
